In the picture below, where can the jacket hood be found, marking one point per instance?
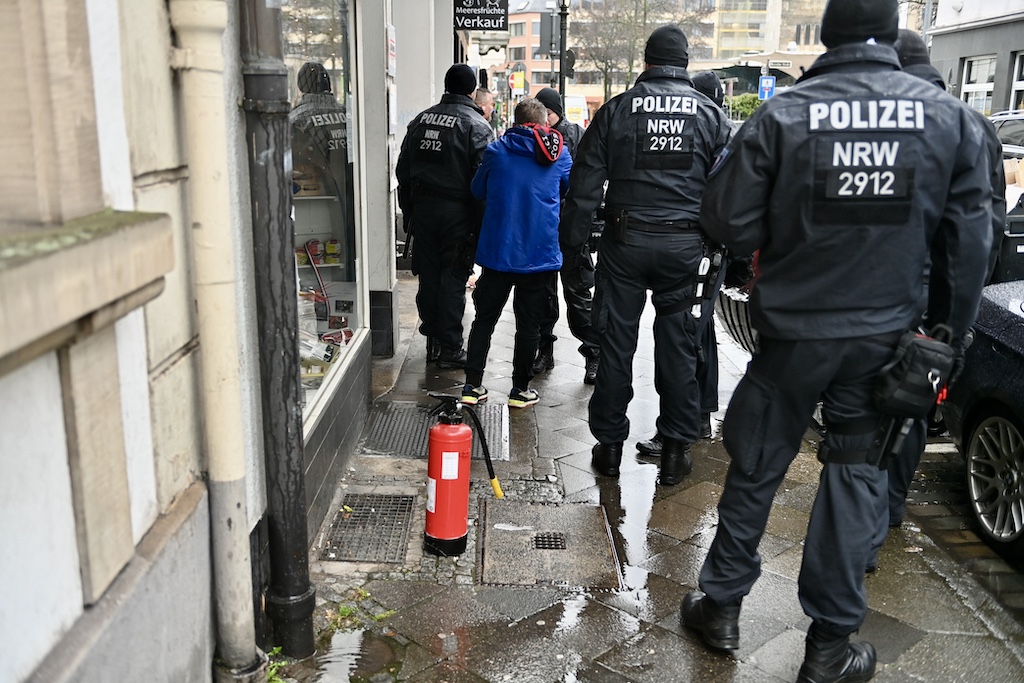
(540, 142)
(927, 72)
(855, 57)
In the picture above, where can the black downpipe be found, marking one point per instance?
(290, 598)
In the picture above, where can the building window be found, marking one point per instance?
(516, 54)
(1017, 94)
(541, 78)
(536, 28)
(799, 29)
(517, 29)
(979, 75)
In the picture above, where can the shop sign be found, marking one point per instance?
(481, 15)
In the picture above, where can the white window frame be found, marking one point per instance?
(1017, 85)
(969, 91)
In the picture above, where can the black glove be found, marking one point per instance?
(739, 271)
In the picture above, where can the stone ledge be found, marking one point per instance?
(51, 278)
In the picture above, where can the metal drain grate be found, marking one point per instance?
(401, 429)
(549, 540)
(370, 528)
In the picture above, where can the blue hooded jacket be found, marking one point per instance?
(522, 188)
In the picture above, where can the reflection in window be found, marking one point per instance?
(978, 76)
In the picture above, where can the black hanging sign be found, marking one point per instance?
(481, 15)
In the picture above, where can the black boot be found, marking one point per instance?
(652, 447)
(676, 461)
(834, 659)
(451, 358)
(719, 625)
(705, 426)
(545, 360)
(433, 350)
(590, 374)
(607, 458)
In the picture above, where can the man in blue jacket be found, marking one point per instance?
(522, 178)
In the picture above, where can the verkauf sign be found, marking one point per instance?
(481, 15)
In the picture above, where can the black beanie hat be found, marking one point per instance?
(460, 80)
(707, 82)
(911, 49)
(549, 98)
(313, 77)
(667, 46)
(855, 21)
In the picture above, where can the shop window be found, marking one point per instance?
(979, 76)
(1017, 93)
(323, 198)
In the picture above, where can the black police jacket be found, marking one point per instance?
(442, 149)
(654, 144)
(850, 184)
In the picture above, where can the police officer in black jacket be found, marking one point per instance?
(577, 273)
(442, 149)
(654, 144)
(850, 183)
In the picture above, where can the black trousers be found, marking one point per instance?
(532, 292)
(577, 276)
(442, 259)
(767, 417)
(666, 264)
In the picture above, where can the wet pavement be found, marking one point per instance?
(943, 607)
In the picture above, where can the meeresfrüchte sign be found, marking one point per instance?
(481, 15)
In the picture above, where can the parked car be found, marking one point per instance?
(984, 413)
(1009, 126)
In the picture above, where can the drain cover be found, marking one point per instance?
(533, 544)
(370, 528)
(401, 428)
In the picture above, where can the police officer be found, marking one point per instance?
(654, 144)
(850, 183)
(442, 149)
(914, 59)
(577, 273)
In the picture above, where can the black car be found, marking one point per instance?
(984, 413)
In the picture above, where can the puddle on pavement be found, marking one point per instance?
(352, 657)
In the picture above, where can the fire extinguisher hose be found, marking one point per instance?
(498, 493)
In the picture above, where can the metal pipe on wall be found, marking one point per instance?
(290, 599)
(200, 26)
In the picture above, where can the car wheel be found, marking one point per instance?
(995, 482)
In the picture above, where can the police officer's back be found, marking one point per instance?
(442, 149)
(848, 184)
(654, 144)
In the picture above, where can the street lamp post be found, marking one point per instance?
(563, 14)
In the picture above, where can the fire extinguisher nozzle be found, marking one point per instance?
(498, 493)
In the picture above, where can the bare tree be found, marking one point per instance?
(610, 34)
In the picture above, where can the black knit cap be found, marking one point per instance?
(667, 46)
(708, 83)
(911, 49)
(460, 80)
(855, 21)
(549, 98)
(313, 77)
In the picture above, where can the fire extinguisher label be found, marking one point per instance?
(450, 465)
(431, 493)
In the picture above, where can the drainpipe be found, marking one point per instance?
(200, 26)
(291, 598)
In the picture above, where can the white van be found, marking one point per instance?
(576, 110)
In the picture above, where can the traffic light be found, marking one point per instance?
(570, 61)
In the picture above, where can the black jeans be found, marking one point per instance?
(533, 291)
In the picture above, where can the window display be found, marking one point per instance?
(322, 188)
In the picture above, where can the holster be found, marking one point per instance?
(618, 222)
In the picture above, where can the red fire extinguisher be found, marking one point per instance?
(448, 462)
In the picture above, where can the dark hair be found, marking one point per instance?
(531, 110)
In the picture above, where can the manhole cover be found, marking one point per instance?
(533, 544)
(370, 528)
(401, 429)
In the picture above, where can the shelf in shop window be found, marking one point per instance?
(323, 265)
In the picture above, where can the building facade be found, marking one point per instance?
(978, 47)
(138, 405)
